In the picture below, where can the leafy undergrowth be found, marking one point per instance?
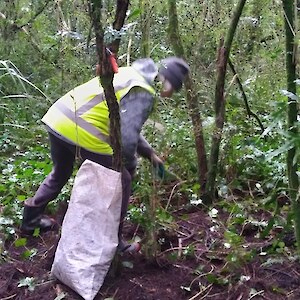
(217, 253)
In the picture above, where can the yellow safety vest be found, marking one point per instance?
(82, 115)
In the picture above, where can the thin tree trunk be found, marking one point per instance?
(223, 55)
(151, 246)
(292, 165)
(122, 7)
(107, 75)
(191, 96)
(146, 19)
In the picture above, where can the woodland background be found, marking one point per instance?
(48, 47)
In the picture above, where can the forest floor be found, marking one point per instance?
(194, 263)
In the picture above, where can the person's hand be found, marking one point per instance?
(156, 160)
(158, 165)
(160, 170)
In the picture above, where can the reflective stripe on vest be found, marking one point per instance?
(88, 124)
(82, 123)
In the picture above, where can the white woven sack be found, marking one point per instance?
(89, 235)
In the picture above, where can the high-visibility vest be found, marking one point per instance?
(82, 116)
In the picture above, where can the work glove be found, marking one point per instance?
(160, 171)
(158, 166)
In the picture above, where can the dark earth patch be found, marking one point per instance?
(193, 264)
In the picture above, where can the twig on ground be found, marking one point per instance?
(219, 295)
(172, 192)
(259, 293)
(171, 249)
(179, 248)
(9, 297)
(250, 191)
(201, 275)
(45, 254)
(115, 293)
(201, 292)
(279, 272)
(135, 232)
(136, 282)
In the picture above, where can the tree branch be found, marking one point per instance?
(107, 75)
(222, 60)
(122, 6)
(249, 112)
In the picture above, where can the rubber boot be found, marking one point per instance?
(33, 218)
(125, 247)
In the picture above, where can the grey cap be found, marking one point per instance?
(174, 69)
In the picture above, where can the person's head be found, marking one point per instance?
(172, 73)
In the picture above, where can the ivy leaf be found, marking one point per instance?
(36, 232)
(289, 95)
(29, 282)
(20, 242)
(21, 197)
(134, 14)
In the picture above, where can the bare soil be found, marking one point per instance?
(192, 264)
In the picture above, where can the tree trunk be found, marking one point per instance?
(292, 165)
(107, 75)
(222, 59)
(146, 19)
(122, 6)
(191, 96)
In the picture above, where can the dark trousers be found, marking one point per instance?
(63, 157)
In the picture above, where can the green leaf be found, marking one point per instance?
(20, 242)
(134, 14)
(29, 282)
(21, 197)
(36, 232)
(29, 253)
(216, 280)
(289, 95)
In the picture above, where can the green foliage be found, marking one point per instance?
(29, 282)
(22, 172)
(170, 134)
(254, 156)
(46, 52)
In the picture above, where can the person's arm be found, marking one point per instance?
(145, 150)
(135, 108)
